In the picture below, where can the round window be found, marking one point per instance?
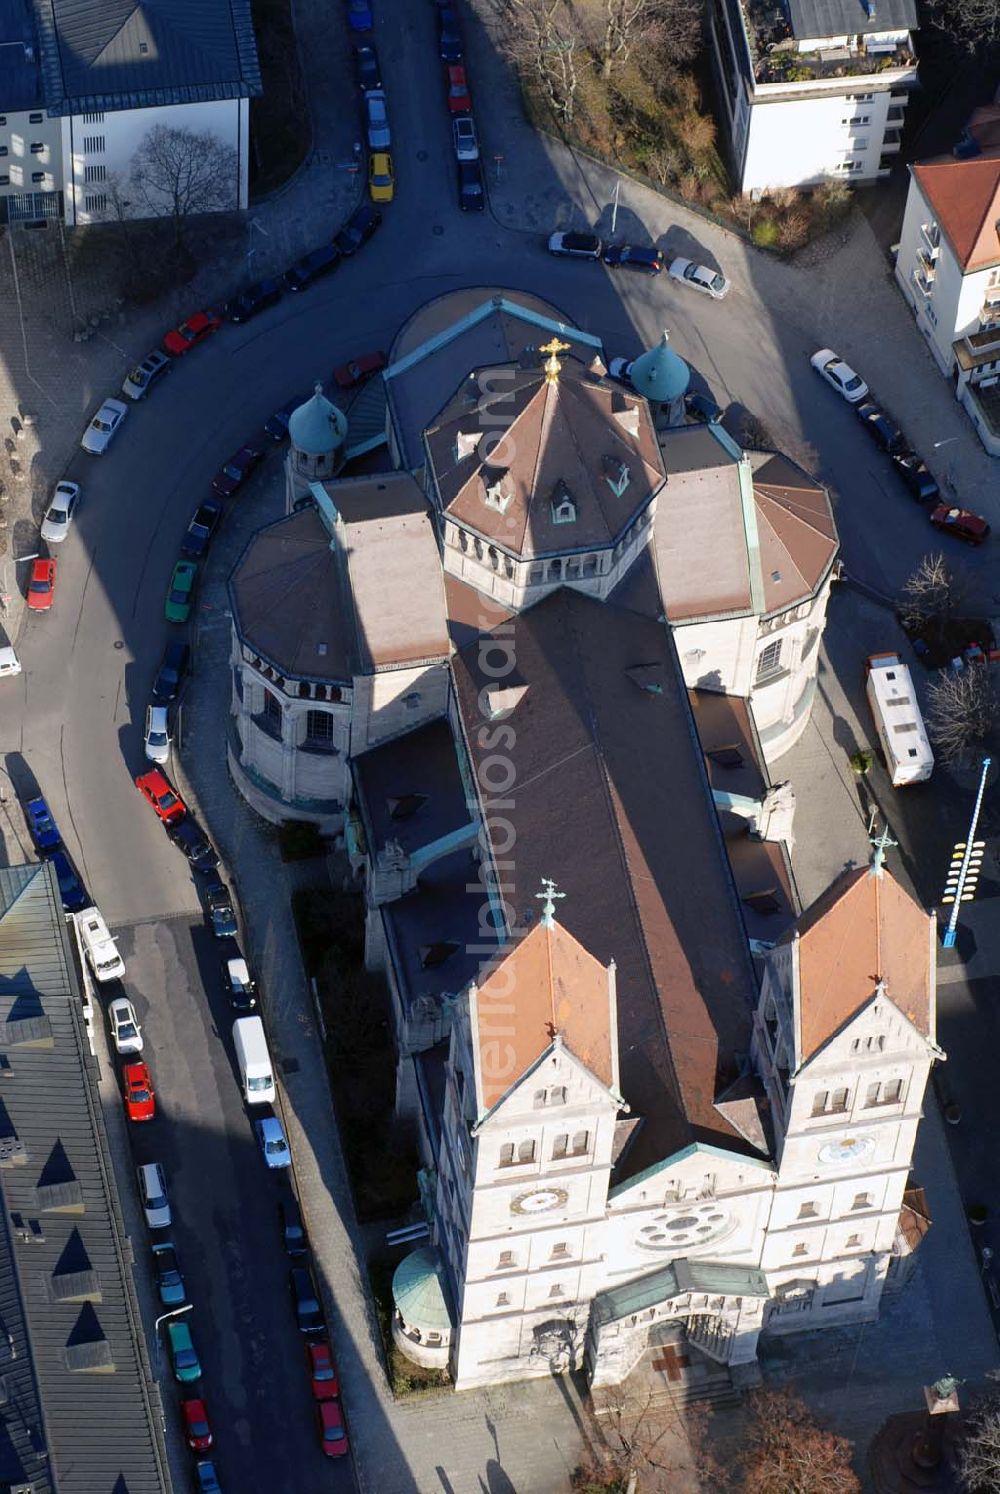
(697, 1226)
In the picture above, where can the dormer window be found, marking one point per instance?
(563, 507)
(616, 474)
(465, 444)
(497, 490)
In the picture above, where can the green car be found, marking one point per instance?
(182, 1353)
(181, 593)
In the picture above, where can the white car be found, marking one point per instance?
(466, 144)
(700, 278)
(55, 525)
(139, 379)
(839, 375)
(104, 426)
(620, 369)
(157, 741)
(125, 1029)
(10, 664)
(379, 137)
(153, 1194)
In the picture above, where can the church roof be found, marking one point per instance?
(863, 929)
(661, 374)
(543, 466)
(418, 1292)
(547, 985)
(317, 428)
(669, 1281)
(795, 529)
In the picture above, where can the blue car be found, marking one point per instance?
(70, 887)
(359, 15)
(183, 1357)
(273, 1145)
(208, 1479)
(169, 1281)
(44, 831)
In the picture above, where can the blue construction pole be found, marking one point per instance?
(967, 859)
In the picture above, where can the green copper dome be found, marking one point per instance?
(660, 375)
(417, 1292)
(317, 427)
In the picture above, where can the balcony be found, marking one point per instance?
(931, 236)
(924, 284)
(776, 58)
(927, 264)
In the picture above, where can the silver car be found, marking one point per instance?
(104, 427)
(157, 739)
(379, 137)
(700, 278)
(466, 144)
(62, 506)
(137, 382)
(125, 1029)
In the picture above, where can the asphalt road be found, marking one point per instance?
(73, 720)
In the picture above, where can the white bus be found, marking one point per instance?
(897, 718)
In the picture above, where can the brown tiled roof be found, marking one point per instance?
(863, 929)
(556, 439)
(469, 611)
(965, 199)
(609, 799)
(547, 985)
(795, 529)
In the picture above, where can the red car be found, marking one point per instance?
(332, 1432)
(325, 1385)
(237, 471)
(355, 372)
(957, 521)
(196, 1427)
(169, 806)
(459, 101)
(188, 335)
(42, 585)
(140, 1097)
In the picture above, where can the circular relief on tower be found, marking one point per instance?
(538, 1200)
(696, 1225)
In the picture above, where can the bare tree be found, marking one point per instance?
(619, 26)
(177, 173)
(788, 1452)
(653, 1439)
(979, 1450)
(541, 38)
(963, 713)
(931, 594)
(973, 24)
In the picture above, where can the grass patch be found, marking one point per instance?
(279, 119)
(405, 1377)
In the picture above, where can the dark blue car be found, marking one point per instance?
(70, 887)
(44, 831)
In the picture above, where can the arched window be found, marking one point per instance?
(319, 731)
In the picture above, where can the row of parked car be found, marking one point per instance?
(645, 259)
(948, 518)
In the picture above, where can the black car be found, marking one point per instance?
(308, 1313)
(293, 1235)
(201, 528)
(174, 666)
(633, 257)
(917, 476)
(471, 190)
(449, 35)
(221, 914)
(252, 300)
(277, 426)
(237, 982)
(320, 262)
(70, 887)
(366, 68)
(878, 425)
(195, 845)
(702, 407)
(358, 229)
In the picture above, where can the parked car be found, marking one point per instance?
(167, 803)
(238, 471)
(190, 333)
(273, 1146)
(196, 1425)
(43, 828)
(238, 983)
(173, 668)
(377, 118)
(702, 407)
(126, 1034)
(575, 245)
(221, 913)
(70, 887)
(471, 187)
(104, 427)
(138, 1092)
(141, 379)
(699, 278)
(180, 595)
(199, 532)
(358, 229)
(169, 1281)
(194, 845)
(183, 1355)
(619, 369)
(366, 68)
(332, 1432)
(10, 664)
(878, 425)
(449, 35)
(839, 375)
(917, 476)
(253, 300)
(320, 262)
(153, 1195)
(322, 1371)
(206, 1478)
(293, 1234)
(639, 257)
(381, 181)
(359, 15)
(156, 738)
(276, 426)
(459, 98)
(41, 585)
(59, 514)
(348, 375)
(463, 133)
(959, 522)
(305, 1299)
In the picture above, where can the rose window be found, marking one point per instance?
(697, 1225)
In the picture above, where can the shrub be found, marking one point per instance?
(793, 229)
(765, 233)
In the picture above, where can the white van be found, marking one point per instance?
(897, 718)
(98, 945)
(256, 1071)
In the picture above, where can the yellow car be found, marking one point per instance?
(381, 183)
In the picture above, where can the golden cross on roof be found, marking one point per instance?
(552, 366)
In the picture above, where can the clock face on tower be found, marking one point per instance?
(539, 1200)
(846, 1149)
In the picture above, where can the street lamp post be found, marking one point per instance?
(156, 1329)
(949, 476)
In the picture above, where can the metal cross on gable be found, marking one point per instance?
(550, 895)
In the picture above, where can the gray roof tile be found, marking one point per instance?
(815, 18)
